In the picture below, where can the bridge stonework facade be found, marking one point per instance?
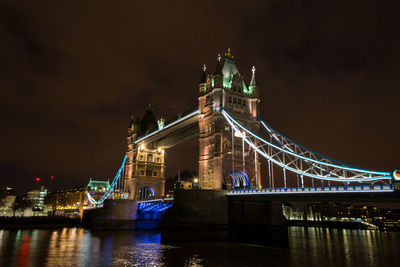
(145, 164)
(225, 89)
(147, 138)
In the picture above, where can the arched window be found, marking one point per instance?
(150, 157)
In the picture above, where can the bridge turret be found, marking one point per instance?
(216, 79)
(225, 89)
(253, 85)
(145, 163)
(203, 80)
(148, 121)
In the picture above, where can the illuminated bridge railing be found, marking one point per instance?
(182, 117)
(155, 205)
(315, 190)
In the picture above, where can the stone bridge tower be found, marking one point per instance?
(145, 163)
(226, 89)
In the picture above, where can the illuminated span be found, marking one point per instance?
(232, 141)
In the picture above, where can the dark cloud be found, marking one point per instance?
(72, 73)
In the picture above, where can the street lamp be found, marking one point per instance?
(195, 183)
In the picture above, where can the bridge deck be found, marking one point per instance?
(314, 190)
(361, 193)
(177, 130)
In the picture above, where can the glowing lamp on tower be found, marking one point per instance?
(396, 175)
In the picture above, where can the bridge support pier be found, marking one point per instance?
(210, 215)
(118, 214)
(257, 222)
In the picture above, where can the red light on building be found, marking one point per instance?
(52, 177)
(37, 179)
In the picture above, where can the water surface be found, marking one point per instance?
(308, 247)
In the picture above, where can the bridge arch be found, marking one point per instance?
(240, 179)
(146, 192)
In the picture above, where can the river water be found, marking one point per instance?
(308, 247)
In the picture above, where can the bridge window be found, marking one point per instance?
(157, 159)
(141, 157)
(141, 172)
(154, 173)
(229, 99)
(234, 100)
(239, 101)
(150, 157)
(244, 103)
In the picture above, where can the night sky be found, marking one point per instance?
(72, 73)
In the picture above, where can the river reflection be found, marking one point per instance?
(308, 247)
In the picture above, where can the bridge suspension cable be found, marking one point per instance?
(110, 189)
(300, 160)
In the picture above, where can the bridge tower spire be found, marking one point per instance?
(220, 152)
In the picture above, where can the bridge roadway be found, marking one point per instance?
(179, 129)
(364, 193)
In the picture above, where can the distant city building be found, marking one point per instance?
(36, 198)
(7, 205)
(98, 186)
(330, 211)
(67, 201)
(183, 185)
(6, 191)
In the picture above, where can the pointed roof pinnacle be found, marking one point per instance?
(149, 108)
(218, 68)
(228, 54)
(203, 78)
(253, 76)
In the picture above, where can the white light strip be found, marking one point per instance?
(230, 119)
(295, 170)
(194, 113)
(155, 200)
(282, 192)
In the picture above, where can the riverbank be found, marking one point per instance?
(331, 224)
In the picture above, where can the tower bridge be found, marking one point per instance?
(233, 139)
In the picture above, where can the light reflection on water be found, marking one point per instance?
(308, 247)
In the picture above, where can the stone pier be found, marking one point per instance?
(210, 215)
(118, 214)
